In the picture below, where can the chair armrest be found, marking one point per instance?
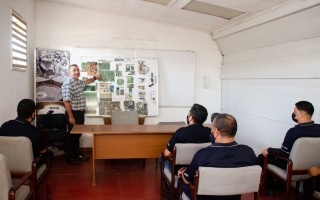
(288, 160)
(169, 158)
(42, 159)
(26, 179)
(189, 185)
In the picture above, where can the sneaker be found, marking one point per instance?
(82, 157)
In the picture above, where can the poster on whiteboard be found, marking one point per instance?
(127, 84)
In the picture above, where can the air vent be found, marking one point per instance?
(163, 2)
(210, 9)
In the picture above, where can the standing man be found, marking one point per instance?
(21, 126)
(75, 103)
(302, 115)
(225, 152)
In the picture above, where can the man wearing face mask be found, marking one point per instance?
(21, 126)
(194, 133)
(302, 115)
(225, 152)
(75, 103)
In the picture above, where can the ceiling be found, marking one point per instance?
(203, 15)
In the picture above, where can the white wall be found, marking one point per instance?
(65, 27)
(268, 68)
(15, 85)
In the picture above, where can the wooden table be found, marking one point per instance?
(107, 119)
(126, 141)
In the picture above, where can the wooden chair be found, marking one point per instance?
(224, 181)
(18, 151)
(304, 154)
(124, 117)
(22, 190)
(181, 155)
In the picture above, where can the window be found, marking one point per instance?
(18, 42)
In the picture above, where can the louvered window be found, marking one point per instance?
(18, 42)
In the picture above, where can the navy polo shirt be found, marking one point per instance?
(194, 133)
(21, 127)
(309, 129)
(221, 155)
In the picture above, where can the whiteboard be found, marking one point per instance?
(176, 76)
(176, 71)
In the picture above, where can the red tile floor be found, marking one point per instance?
(127, 179)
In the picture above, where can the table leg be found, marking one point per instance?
(93, 161)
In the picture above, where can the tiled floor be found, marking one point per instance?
(116, 180)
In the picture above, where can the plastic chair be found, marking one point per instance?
(18, 151)
(304, 154)
(181, 155)
(215, 181)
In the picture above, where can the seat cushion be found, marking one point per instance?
(22, 192)
(283, 174)
(184, 196)
(40, 170)
(167, 174)
(316, 195)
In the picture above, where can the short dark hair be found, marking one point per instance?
(213, 116)
(25, 109)
(199, 113)
(226, 124)
(73, 65)
(305, 106)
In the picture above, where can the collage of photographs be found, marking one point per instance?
(126, 84)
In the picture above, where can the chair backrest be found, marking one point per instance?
(124, 117)
(228, 181)
(305, 153)
(5, 178)
(18, 151)
(52, 121)
(186, 151)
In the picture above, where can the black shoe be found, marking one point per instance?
(73, 161)
(82, 157)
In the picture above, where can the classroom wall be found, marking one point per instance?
(267, 68)
(15, 85)
(65, 27)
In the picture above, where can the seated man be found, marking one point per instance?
(302, 115)
(225, 152)
(213, 116)
(194, 133)
(21, 126)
